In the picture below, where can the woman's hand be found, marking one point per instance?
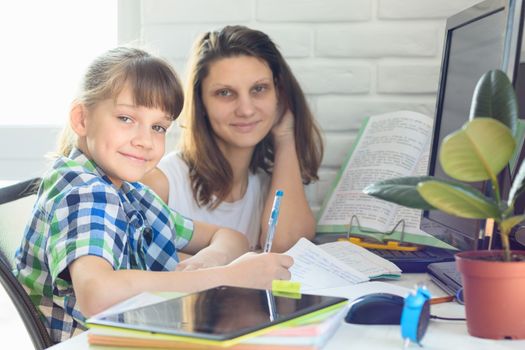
(208, 257)
(253, 270)
(212, 246)
(284, 128)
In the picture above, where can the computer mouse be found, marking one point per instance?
(376, 308)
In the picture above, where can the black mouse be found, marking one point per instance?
(376, 308)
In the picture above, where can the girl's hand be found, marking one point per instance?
(253, 270)
(205, 258)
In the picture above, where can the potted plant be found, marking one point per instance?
(493, 281)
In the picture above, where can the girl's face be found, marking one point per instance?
(125, 140)
(240, 99)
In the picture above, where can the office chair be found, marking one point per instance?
(15, 207)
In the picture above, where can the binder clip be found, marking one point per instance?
(415, 316)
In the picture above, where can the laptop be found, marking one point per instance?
(446, 276)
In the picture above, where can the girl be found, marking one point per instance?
(247, 131)
(97, 236)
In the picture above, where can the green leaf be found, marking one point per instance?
(494, 97)
(402, 191)
(458, 199)
(478, 151)
(507, 224)
(517, 185)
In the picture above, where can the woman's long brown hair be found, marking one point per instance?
(210, 172)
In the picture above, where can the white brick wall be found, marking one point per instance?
(314, 11)
(377, 39)
(420, 9)
(395, 78)
(322, 78)
(195, 11)
(354, 58)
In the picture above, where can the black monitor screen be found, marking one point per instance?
(474, 44)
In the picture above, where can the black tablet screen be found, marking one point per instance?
(220, 313)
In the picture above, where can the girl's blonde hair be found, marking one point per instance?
(153, 82)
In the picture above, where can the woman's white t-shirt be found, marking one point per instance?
(243, 215)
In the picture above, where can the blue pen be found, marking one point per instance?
(272, 222)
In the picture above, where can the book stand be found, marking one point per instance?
(380, 237)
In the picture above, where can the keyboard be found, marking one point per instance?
(415, 261)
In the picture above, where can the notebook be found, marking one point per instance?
(221, 316)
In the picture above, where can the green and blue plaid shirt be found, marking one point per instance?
(79, 212)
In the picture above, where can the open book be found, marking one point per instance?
(336, 264)
(388, 145)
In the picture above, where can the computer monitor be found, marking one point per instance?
(483, 37)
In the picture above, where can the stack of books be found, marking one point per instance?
(312, 335)
(223, 317)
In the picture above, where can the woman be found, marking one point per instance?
(247, 131)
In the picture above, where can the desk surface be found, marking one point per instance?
(440, 334)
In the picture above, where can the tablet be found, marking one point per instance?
(219, 314)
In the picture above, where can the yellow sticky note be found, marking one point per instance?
(286, 288)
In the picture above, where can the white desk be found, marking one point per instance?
(440, 334)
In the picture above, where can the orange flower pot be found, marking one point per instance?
(494, 294)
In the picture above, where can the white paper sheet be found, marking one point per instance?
(315, 268)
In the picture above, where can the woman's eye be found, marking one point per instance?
(259, 88)
(224, 92)
(125, 118)
(160, 129)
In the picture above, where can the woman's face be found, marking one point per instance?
(240, 99)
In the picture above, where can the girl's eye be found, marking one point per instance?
(125, 118)
(160, 129)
